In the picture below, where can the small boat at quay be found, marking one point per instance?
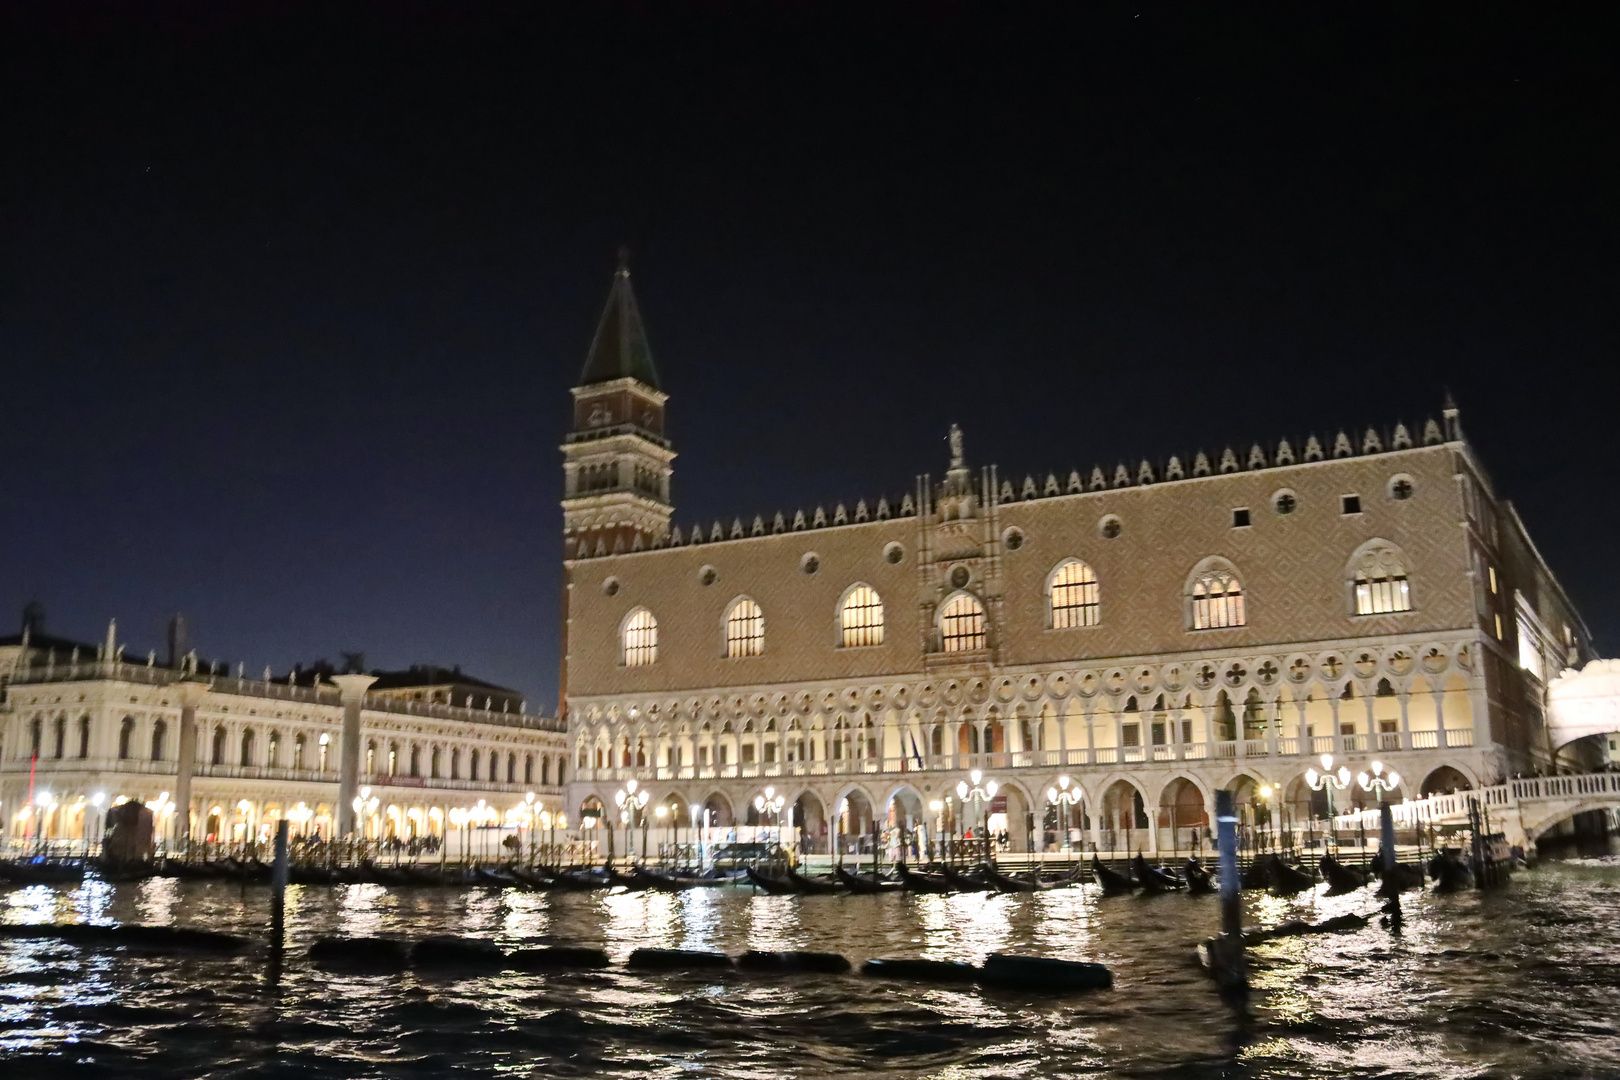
(865, 883)
(1154, 879)
(1341, 878)
(920, 882)
(1113, 882)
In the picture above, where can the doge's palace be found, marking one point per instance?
(1107, 646)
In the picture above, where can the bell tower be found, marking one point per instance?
(616, 461)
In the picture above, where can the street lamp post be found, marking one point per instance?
(1329, 781)
(662, 811)
(939, 823)
(1380, 783)
(95, 800)
(1266, 791)
(771, 803)
(979, 795)
(631, 802)
(1063, 798)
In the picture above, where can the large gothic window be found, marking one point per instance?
(961, 624)
(745, 629)
(860, 618)
(1217, 601)
(1380, 581)
(1073, 596)
(640, 638)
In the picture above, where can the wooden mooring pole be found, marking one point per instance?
(1227, 962)
(278, 889)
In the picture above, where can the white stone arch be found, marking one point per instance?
(1051, 578)
(1430, 768)
(896, 788)
(1192, 778)
(1102, 787)
(852, 788)
(1546, 817)
(1204, 568)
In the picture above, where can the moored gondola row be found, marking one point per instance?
(1268, 872)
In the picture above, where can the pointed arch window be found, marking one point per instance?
(745, 629)
(126, 732)
(159, 730)
(1380, 582)
(1072, 596)
(1217, 601)
(961, 624)
(860, 618)
(640, 637)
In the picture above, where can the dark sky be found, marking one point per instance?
(291, 294)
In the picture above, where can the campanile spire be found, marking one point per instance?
(616, 460)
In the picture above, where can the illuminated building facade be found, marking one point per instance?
(79, 726)
(1152, 634)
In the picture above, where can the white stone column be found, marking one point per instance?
(191, 694)
(353, 690)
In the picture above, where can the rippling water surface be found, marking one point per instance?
(1520, 982)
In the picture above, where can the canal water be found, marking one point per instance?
(1522, 982)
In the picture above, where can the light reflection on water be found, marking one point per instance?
(1520, 982)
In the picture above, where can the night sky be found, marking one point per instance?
(291, 295)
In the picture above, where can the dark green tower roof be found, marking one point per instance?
(620, 350)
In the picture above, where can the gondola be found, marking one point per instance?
(498, 877)
(576, 880)
(1112, 881)
(1288, 880)
(1341, 878)
(918, 882)
(1398, 879)
(774, 886)
(632, 882)
(809, 886)
(42, 871)
(531, 879)
(1011, 883)
(663, 882)
(1257, 875)
(864, 883)
(1450, 873)
(963, 883)
(1200, 882)
(1064, 879)
(1152, 878)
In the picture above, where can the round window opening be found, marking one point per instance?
(708, 575)
(1285, 502)
(1109, 527)
(1014, 539)
(810, 563)
(894, 553)
(610, 587)
(960, 577)
(1400, 488)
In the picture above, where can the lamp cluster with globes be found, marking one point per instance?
(631, 802)
(770, 803)
(1063, 798)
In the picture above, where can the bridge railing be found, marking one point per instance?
(1452, 808)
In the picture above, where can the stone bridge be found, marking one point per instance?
(1523, 809)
